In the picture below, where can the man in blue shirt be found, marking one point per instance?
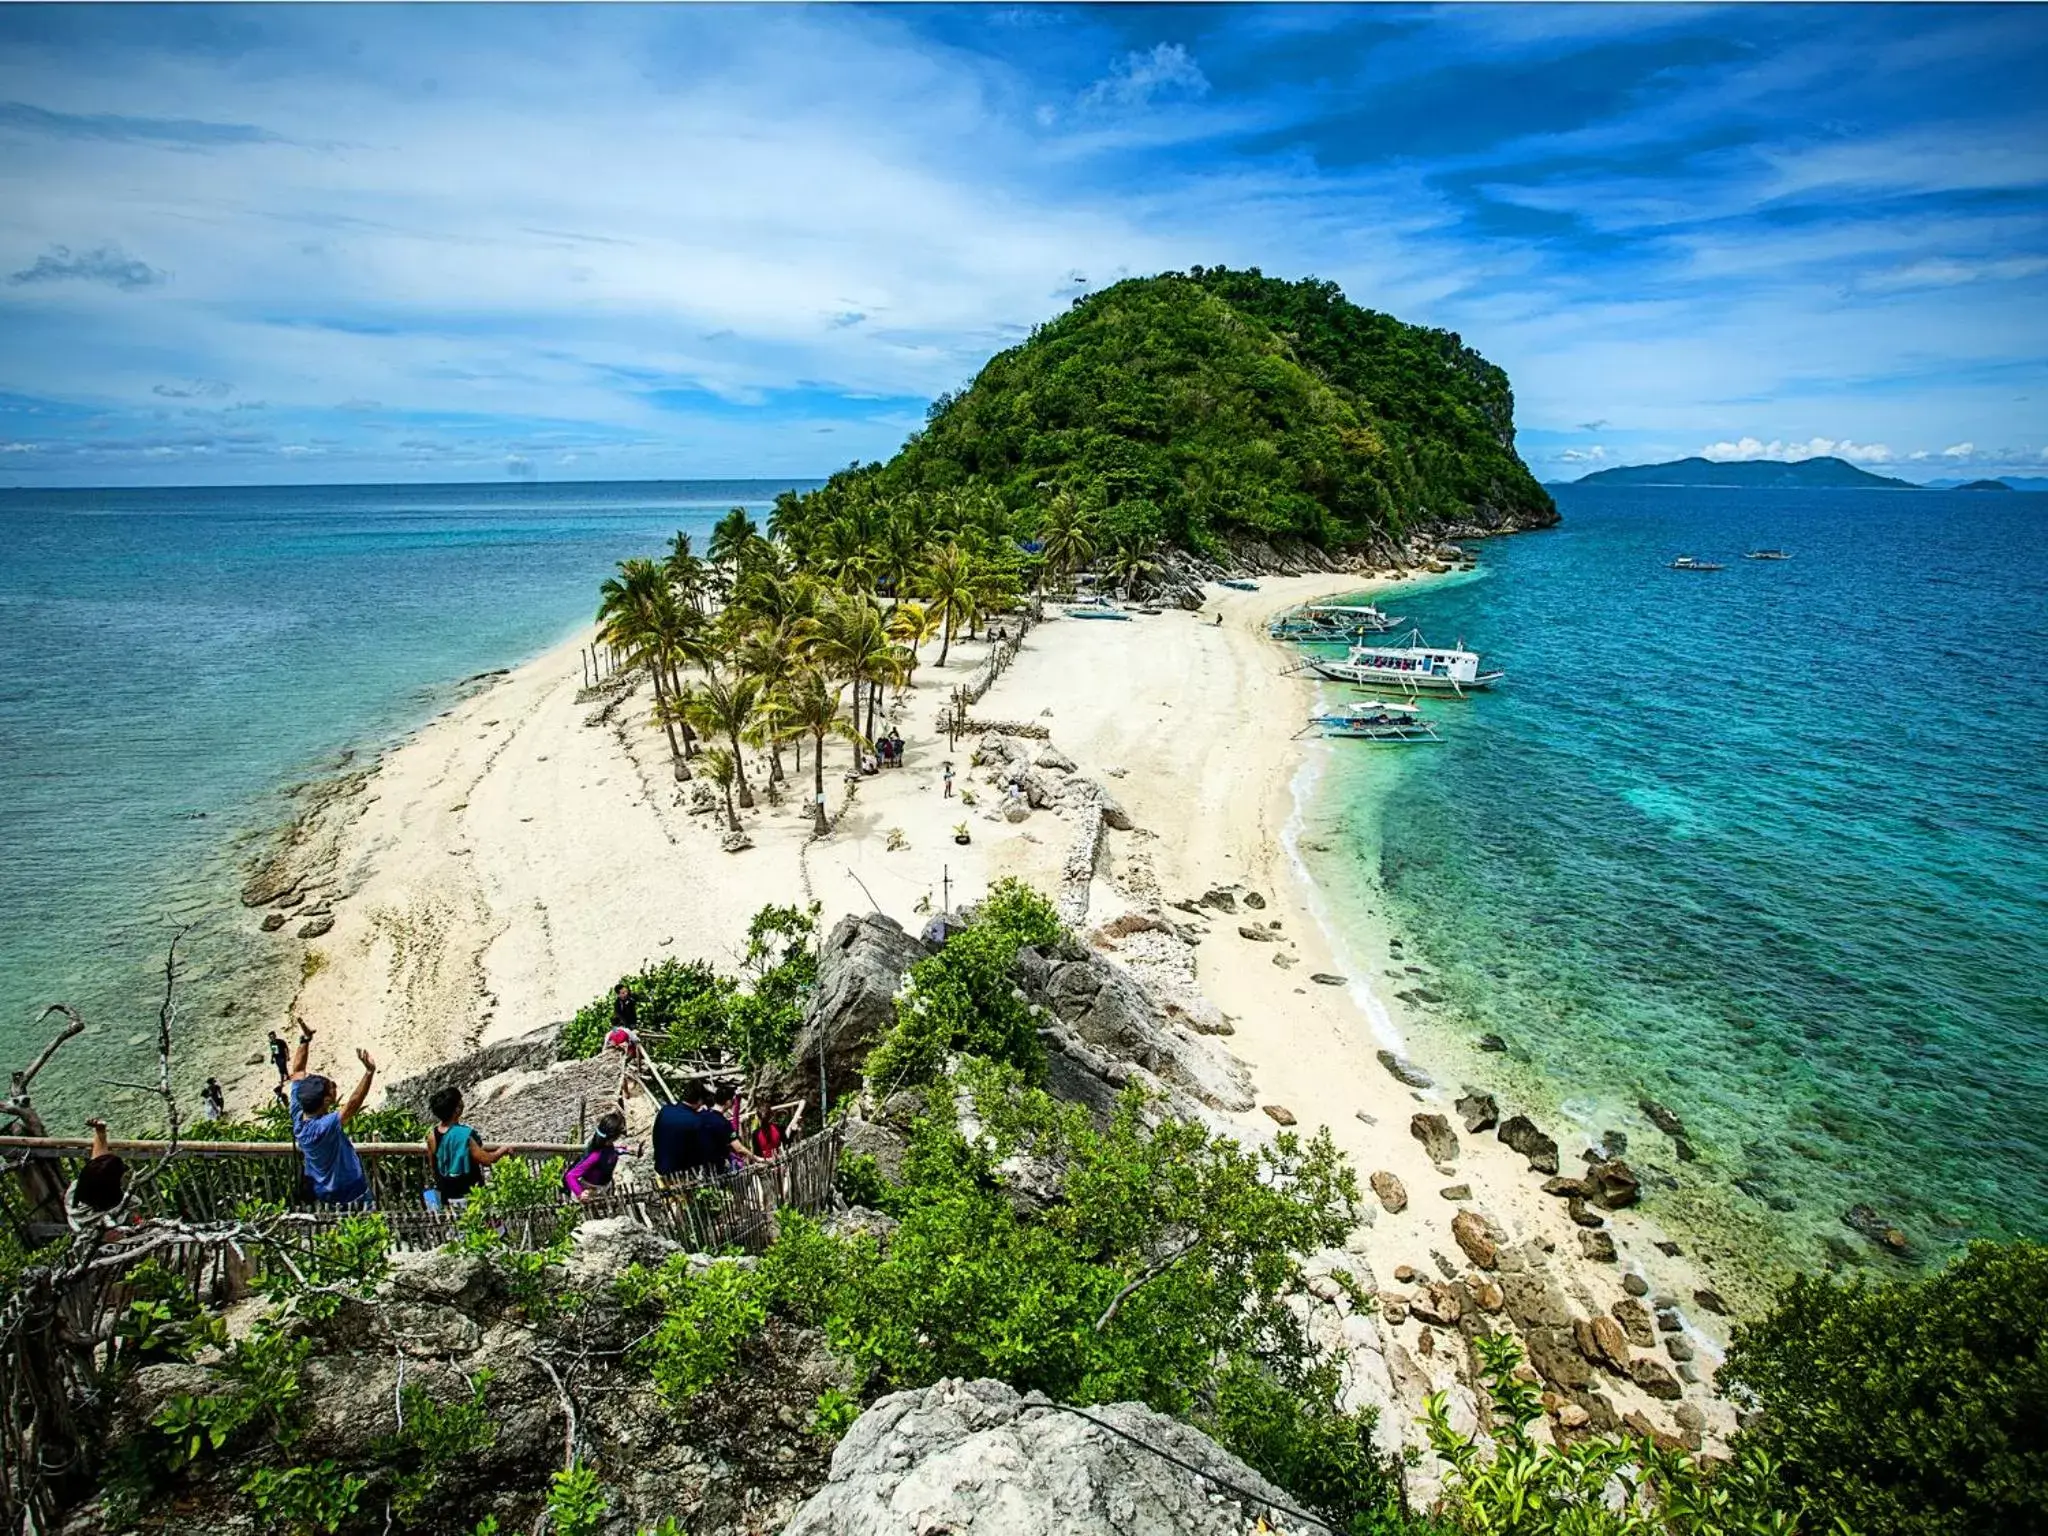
(332, 1167)
(692, 1139)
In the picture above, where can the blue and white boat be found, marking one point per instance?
(1331, 621)
(1377, 720)
(1411, 668)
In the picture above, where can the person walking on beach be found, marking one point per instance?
(280, 1058)
(591, 1174)
(215, 1099)
(98, 1199)
(949, 780)
(458, 1154)
(319, 1126)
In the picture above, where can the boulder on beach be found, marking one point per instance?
(1406, 1072)
(315, 927)
(1479, 1237)
(1436, 1136)
(1612, 1185)
(1393, 1194)
(1598, 1246)
(1478, 1110)
(1279, 1114)
(1520, 1133)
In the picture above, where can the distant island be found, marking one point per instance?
(2033, 483)
(1751, 474)
(1984, 485)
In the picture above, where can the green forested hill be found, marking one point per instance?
(1198, 404)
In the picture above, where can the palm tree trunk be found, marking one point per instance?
(819, 825)
(668, 720)
(739, 772)
(946, 644)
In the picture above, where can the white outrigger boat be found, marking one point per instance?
(1687, 563)
(1412, 668)
(1768, 554)
(1331, 621)
(1378, 721)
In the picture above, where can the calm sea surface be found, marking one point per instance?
(1765, 845)
(175, 659)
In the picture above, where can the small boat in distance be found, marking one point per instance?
(1768, 554)
(1378, 721)
(1096, 611)
(1413, 668)
(1687, 563)
(1331, 621)
(1237, 583)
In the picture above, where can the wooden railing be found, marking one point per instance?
(58, 1353)
(209, 1181)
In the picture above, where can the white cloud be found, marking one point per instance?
(1167, 69)
(1917, 455)
(1958, 450)
(1792, 453)
(1592, 455)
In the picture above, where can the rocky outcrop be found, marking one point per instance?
(861, 965)
(1478, 1111)
(531, 1051)
(1611, 1185)
(1108, 1009)
(976, 1456)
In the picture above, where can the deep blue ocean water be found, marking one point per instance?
(175, 659)
(1765, 845)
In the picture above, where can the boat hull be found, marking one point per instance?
(1405, 682)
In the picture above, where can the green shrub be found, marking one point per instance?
(1601, 1485)
(965, 999)
(434, 1442)
(577, 1502)
(303, 1501)
(1913, 1406)
(1293, 1434)
(860, 1182)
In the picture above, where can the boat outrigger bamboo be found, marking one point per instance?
(1331, 621)
(1687, 563)
(1377, 720)
(1413, 668)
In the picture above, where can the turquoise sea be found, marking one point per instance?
(175, 660)
(1764, 845)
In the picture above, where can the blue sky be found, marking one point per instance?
(296, 244)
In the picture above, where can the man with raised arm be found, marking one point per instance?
(332, 1167)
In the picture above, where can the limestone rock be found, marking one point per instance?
(1487, 1295)
(1406, 1072)
(1436, 1304)
(1576, 1209)
(1492, 1043)
(1654, 1379)
(1662, 1118)
(1109, 1010)
(315, 927)
(1114, 816)
(1612, 1185)
(1864, 1219)
(1436, 1136)
(1601, 1340)
(736, 841)
(1220, 899)
(861, 966)
(1404, 1274)
(1598, 1246)
(1520, 1133)
(272, 921)
(1325, 979)
(1280, 1114)
(1393, 1194)
(1255, 901)
(1711, 1301)
(1050, 756)
(1480, 1238)
(1456, 1191)
(977, 1457)
(1478, 1110)
(1255, 933)
(1635, 1284)
(1563, 1187)
(1634, 1318)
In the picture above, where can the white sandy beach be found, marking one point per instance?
(512, 859)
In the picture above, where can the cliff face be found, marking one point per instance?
(1214, 404)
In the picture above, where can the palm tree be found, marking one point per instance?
(733, 539)
(950, 582)
(810, 707)
(848, 639)
(723, 767)
(910, 625)
(1066, 536)
(770, 655)
(638, 614)
(726, 707)
(1131, 564)
(685, 571)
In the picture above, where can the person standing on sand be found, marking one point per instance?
(215, 1099)
(320, 1128)
(949, 781)
(280, 1058)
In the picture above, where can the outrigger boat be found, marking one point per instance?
(1096, 611)
(1413, 668)
(1768, 554)
(1687, 563)
(1237, 584)
(1377, 720)
(1331, 621)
